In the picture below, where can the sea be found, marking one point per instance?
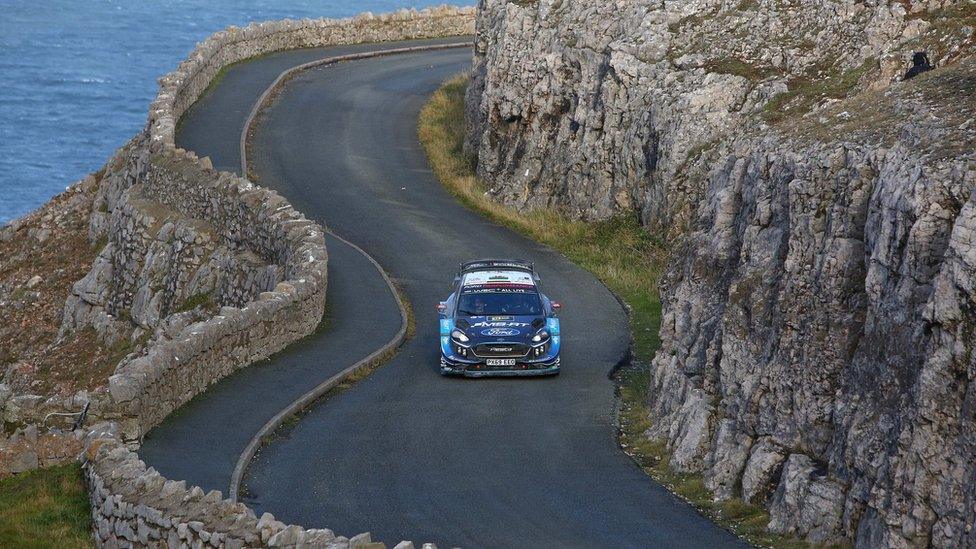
(76, 76)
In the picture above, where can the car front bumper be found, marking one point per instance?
(479, 369)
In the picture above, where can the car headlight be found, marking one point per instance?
(460, 336)
(541, 336)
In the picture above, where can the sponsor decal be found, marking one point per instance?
(484, 277)
(446, 326)
(499, 290)
(499, 318)
(486, 324)
(553, 325)
(500, 332)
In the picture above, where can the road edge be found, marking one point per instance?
(263, 100)
(309, 398)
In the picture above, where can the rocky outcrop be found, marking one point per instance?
(819, 318)
(819, 312)
(594, 108)
(28, 449)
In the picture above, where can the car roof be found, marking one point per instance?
(497, 279)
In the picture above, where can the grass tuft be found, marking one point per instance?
(204, 299)
(45, 508)
(806, 93)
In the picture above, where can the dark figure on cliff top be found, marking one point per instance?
(920, 64)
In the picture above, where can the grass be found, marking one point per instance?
(805, 93)
(196, 300)
(629, 260)
(621, 253)
(45, 508)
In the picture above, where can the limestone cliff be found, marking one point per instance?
(819, 313)
(594, 107)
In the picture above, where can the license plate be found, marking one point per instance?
(500, 362)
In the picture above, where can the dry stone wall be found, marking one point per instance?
(200, 273)
(182, 87)
(176, 231)
(134, 506)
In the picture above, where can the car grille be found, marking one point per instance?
(501, 350)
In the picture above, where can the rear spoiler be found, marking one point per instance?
(497, 264)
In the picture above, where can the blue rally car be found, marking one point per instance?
(496, 322)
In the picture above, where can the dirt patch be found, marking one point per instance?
(41, 256)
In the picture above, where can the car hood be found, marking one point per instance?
(482, 329)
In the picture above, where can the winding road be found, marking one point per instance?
(406, 453)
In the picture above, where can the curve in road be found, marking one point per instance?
(202, 441)
(407, 454)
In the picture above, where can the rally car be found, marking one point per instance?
(496, 322)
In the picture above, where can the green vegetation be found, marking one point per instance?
(806, 92)
(629, 260)
(746, 520)
(204, 299)
(747, 5)
(45, 508)
(100, 244)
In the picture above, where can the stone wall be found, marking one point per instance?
(182, 87)
(204, 272)
(134, 506)
(819, 311)
(201, 273)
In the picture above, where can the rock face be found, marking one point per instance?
(595, 107)
(819, 314)
(820, 319)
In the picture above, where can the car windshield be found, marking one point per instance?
(500, 302)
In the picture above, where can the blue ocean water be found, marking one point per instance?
(76, 76)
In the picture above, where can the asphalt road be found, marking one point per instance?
(405, 453)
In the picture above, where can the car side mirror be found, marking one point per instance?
(556, 306)
(441, 307)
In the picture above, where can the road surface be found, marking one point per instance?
(406, 453)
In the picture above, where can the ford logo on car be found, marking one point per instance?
(499, 332)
